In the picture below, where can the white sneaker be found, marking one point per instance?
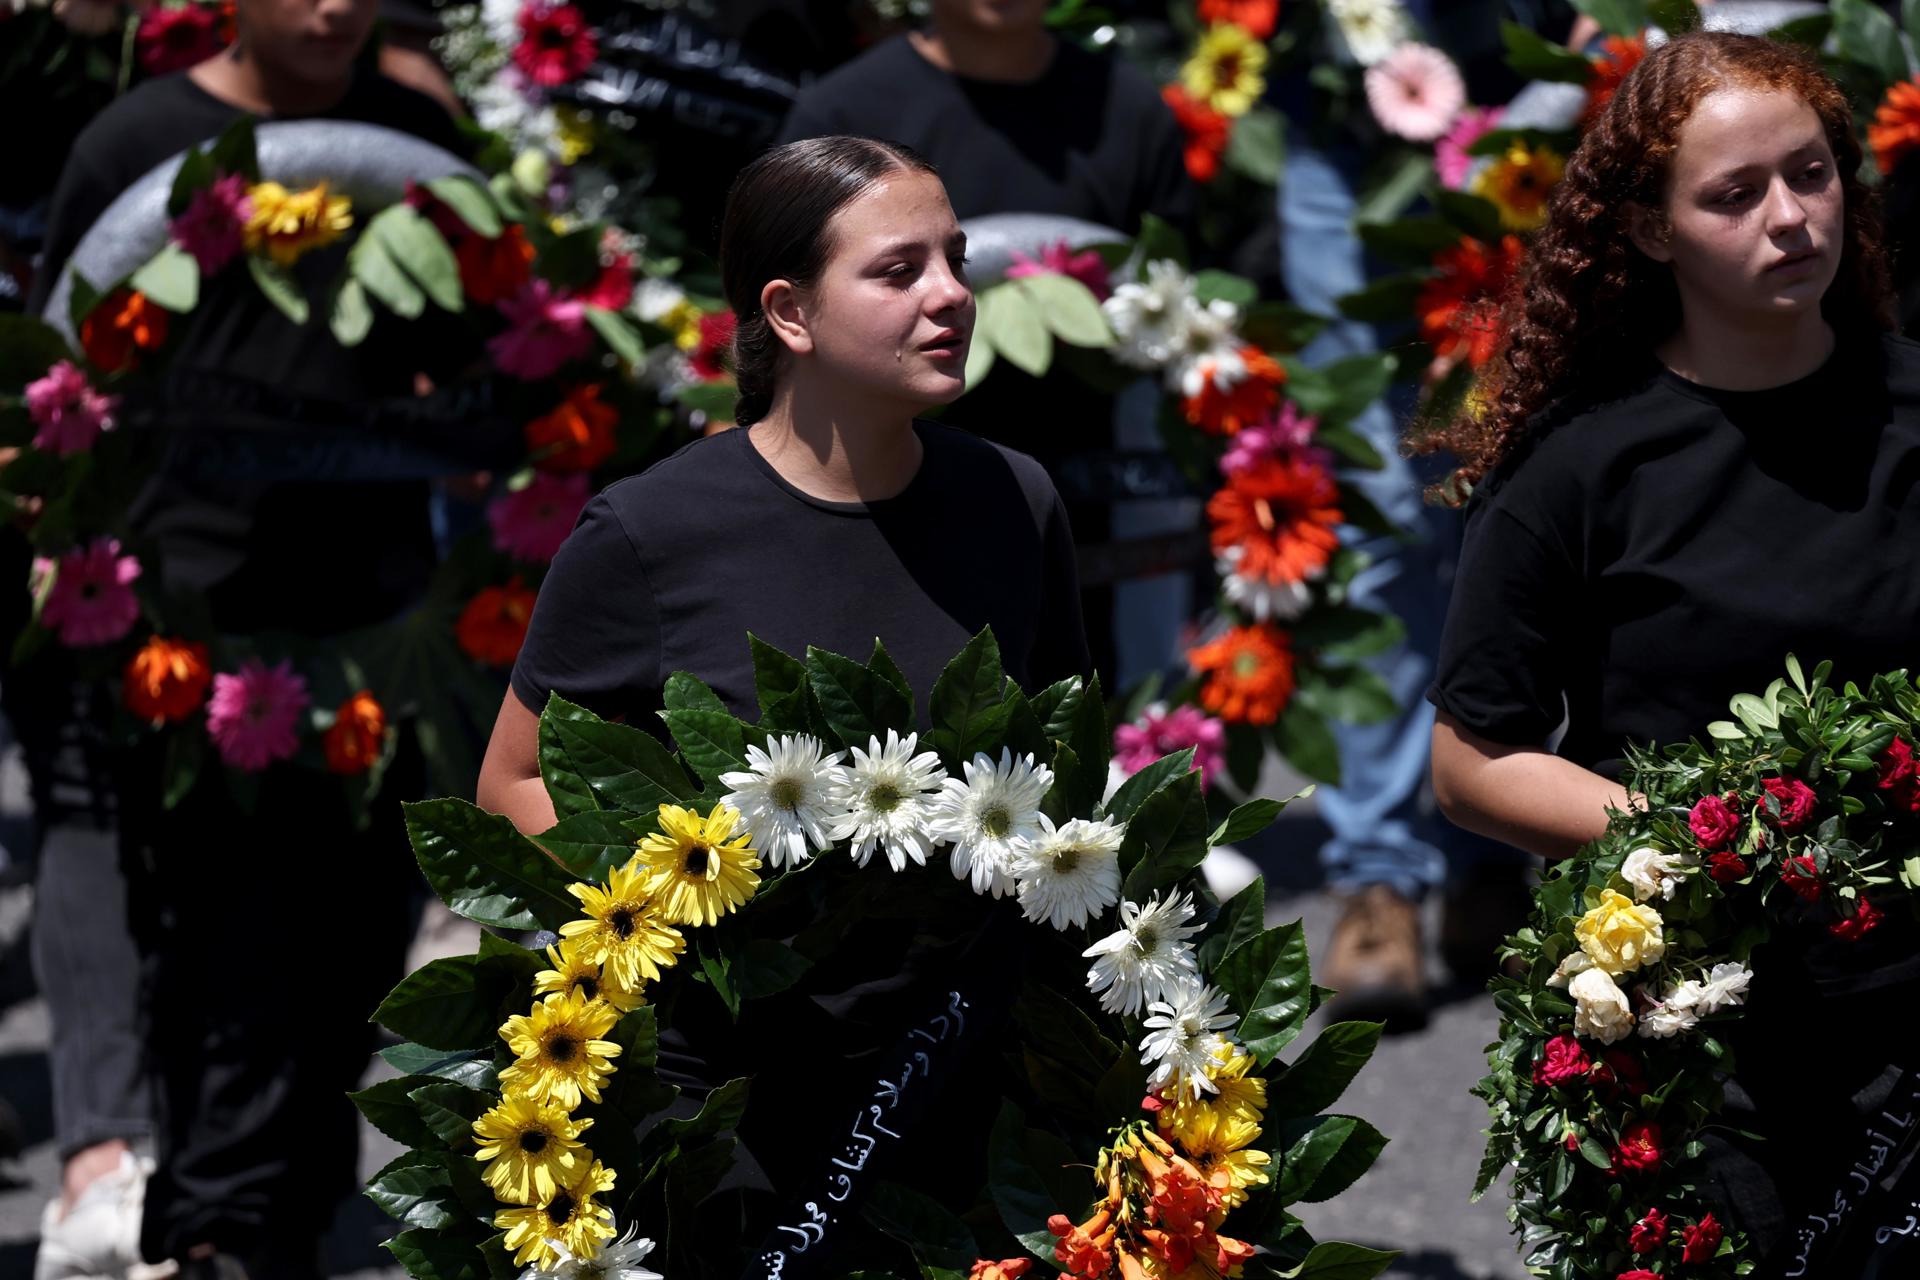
(99, 1238)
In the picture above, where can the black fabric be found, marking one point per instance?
(264, 554)
(1638, 564)
(669, 570)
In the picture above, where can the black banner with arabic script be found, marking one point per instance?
(1869, 1227)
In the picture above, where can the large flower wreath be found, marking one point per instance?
(1797, 821)
(551, 309)
(529, 1095)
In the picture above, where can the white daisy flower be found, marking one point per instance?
(616, 1260)
(1183, 1039)
(1147, 957)
(1282, 601)
(1369, 30)
(654, 297)
(1149, 316)
(508, 105)
(782, 798)
(989, 816)
(1209, 349)
(502, 20)
(1069, 875)
(885, 799)
(1725, 986)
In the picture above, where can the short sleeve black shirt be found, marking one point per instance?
(671, 569)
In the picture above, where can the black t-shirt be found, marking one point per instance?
(318, 556)
(669, 570)
(1089, 139)
(1642, 562)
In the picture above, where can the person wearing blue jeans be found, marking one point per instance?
(1389, 848)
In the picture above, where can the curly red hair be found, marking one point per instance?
(1586, 300)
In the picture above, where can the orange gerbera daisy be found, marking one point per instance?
(1284, 516)
(1618, 55)
(1459, 308)
(1206, 132)
(493, 626)
(1895, 130)
(167, 679)
(1519, 182)
(1248, 673)
(576, 436)
(120, 325)
(493, 269)
(1258, 17)
(358, 735)
(1253, 397)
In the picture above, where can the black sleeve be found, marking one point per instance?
(83, 194)
(1499, 671)
(1060, 641)
(595, 634)
(806, 119)
(1166, 190)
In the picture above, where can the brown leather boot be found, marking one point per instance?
(1375, 961)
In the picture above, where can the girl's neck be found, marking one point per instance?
(1729, 356)
(237, 78)
(838, 455)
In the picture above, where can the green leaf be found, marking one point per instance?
(1019, 1190)
(470, 201)
(1280, 326)
(444, 1004)
(1416, 239)
(604, 765)
(1537, 58)
(1478, 216)
(1616, 17)
(170, 278)
(1158, 239)
(1388, 300)
(281, 289)
(1811, 31)
(196, 173)
(417, 1189)
(1863, 33)
(621, 337)
(436, 1255)
(1269, 980)
(1166, 837)
(923, 1225)
(1133, 793)
(370, 264)
(1068, 309)
(980, 358)
(234, 151)
(351, 315)
(764, 967)
(1353, 695)
(857, 703)
(28, 348)
(779, 684)
(711, 742)
(591, 844)
(485, 870)
(967, 710)
(1392, 196)
(719, 1114)
(1009, 319)
(1332, 1260)
(1303, 738)
(1337, 393)
(450, 1110)
(1910, 21)
(1324, 1155)
(1242, 918)
(1675, 17)
(1249, 820)
(469, 1067)
(417, 245)
(1348, 634)
(1212, 283)
(389, 1109)
(1055, 1026)
(1256, 148)
(1319, 1076)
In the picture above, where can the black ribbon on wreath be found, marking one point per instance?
(1869, 1227)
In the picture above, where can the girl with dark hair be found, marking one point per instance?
(829, 517)
(1697, 453)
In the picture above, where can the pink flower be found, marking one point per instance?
(1057, 259)
(530, 523)
(68, 414)
(1415, 92)
(253, 716)
(1159, 732)
(1450, 158)
(175, 39)
(211, 225)
(91, 601)
(1283, 434)
(546, 330)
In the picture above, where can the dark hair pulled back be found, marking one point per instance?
(775, 228)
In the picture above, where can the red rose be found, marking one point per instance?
(1649, 1233)
(1858, 926)
(1713, 821)
(1900, 775)
(1726, 866)
(1800, 875)
(1618, 1070)
(1701, 1240)
(1638, 1273)
(1564, 1060)
(1639, 1147)
(1796, 801)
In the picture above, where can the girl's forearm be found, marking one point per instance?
(1524, 796)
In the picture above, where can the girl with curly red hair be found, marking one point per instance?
(1696, 450)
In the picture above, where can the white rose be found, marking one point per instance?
(1725, 987)
(1652, 872)
(1602, 1007)
(1576, 962)
(1685, 995)
(1665, 1020)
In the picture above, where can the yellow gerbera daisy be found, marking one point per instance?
(626, 931)
(683, 318)
(573, 134)
(561, 1048)
(1518, 183)
(1225, 69)
(1232, 1169)
(286, 224)
(1241, 1101)
(530, 1149)
(696, 867)
(570, 1217)
(575, 970)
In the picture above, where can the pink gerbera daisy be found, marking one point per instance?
(68, 414)
(1415, 92)
(1058, 259)
(1159, 732)
(1283, 433)
(1450, 158)
(546, 329)
(253, 716)
(212, 225)
(531, 522)
(91, 601)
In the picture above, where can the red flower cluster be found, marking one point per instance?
(709, 359)
(1796, 801)
(1258, 17)
(175, 39)
(1619, 1071)
(1618, 56)
(556, 44)
(1459, 307)
(1726, 866)
(1714, 821)
(1857, 926)
(1702, 1238)
(1206, 131)
(493, 626)
(1564, 1060)
(1226, 411)
(1649, 1233)
(1801, 876)
(1639, 1147)
(1900, 776)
